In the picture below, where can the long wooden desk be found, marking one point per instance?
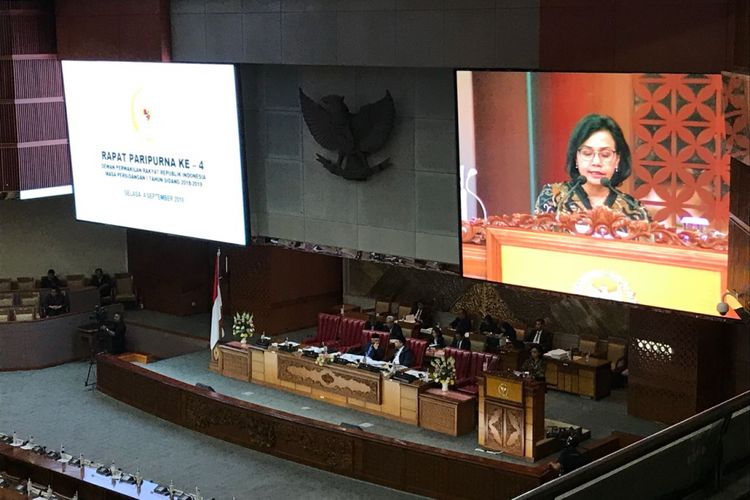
(336, 384)
(591, 378)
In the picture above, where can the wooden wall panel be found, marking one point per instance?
(137, 30)
(172, 274)
(676, 365)
(285, 289)
(634, 35)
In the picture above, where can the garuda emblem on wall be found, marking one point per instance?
(355, 136)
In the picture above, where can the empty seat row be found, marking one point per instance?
(18, 314)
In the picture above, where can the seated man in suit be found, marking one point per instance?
(51, 280)
(462, 323)
(55, 303)
(394, 329)
(403, 355)
(373, 349)
(421, 313)
(539, 336)
(488, 325)
(102, 281)
(378, 323)
(461, 341)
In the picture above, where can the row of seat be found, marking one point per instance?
(18, 314)
(11, 299)
(348, 334)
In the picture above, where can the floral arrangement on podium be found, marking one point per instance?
(324, 358)
(443, 370)
(243, 326)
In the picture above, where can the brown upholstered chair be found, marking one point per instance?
(6, 285)
(403, 311)
(26, 283)
(75, 281)
(125, 288)
(29, 299)
(7, 299)
(617, 349)
(587, 344)
(25, 314)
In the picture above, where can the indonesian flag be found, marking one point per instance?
(217, 329)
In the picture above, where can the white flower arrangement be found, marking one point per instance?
(323, 359)
(443, 370)
(242, 325)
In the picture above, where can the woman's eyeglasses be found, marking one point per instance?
(606, 155)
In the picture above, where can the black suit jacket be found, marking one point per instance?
(396, 332)
(545, 340)
(377, 355)
(461, 342)
(407, 357)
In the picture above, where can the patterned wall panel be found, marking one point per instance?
(33, 134)
(736, 100)
(679, 165)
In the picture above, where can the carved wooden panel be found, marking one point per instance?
(425, 470)
(235, 363)
(347, 382)
(505, 428)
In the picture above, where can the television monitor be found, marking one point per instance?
(156, 146)
(606, 185)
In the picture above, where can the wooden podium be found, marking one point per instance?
(511, 414)
(687, 278)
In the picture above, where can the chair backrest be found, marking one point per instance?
(418, 348)
(24, 314)
(384, 337)
(26, 283)
(351, 331)
(587, 344)
(463, 361)
(29, 298)
(481, 362)
(382, 307)
(616, 349)
(6, 285)
(6, 299)
(403, 311)
(328, 327)
(76, 281)
(124, 284)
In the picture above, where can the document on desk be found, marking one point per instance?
(417, 373)
(352, 358)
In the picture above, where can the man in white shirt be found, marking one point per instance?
(403, 355)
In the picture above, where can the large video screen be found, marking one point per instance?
(156, 146)
(613, 186)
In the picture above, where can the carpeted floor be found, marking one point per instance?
(53, 406)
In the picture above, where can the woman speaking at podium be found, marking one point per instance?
(597, 161)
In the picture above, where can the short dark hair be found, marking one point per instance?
(540, 320)
(98, 270)
(585, 128)
(50, 271)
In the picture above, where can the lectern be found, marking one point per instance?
(511, 414)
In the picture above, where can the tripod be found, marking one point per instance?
(94, 351)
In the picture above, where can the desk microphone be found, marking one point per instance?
(607, 183)
(578, 182)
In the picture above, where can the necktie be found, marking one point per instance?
(538, 336)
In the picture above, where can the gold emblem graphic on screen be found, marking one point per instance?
(604, 285)
(142, 115)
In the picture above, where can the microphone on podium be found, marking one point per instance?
(578, 182)
(607, 183)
